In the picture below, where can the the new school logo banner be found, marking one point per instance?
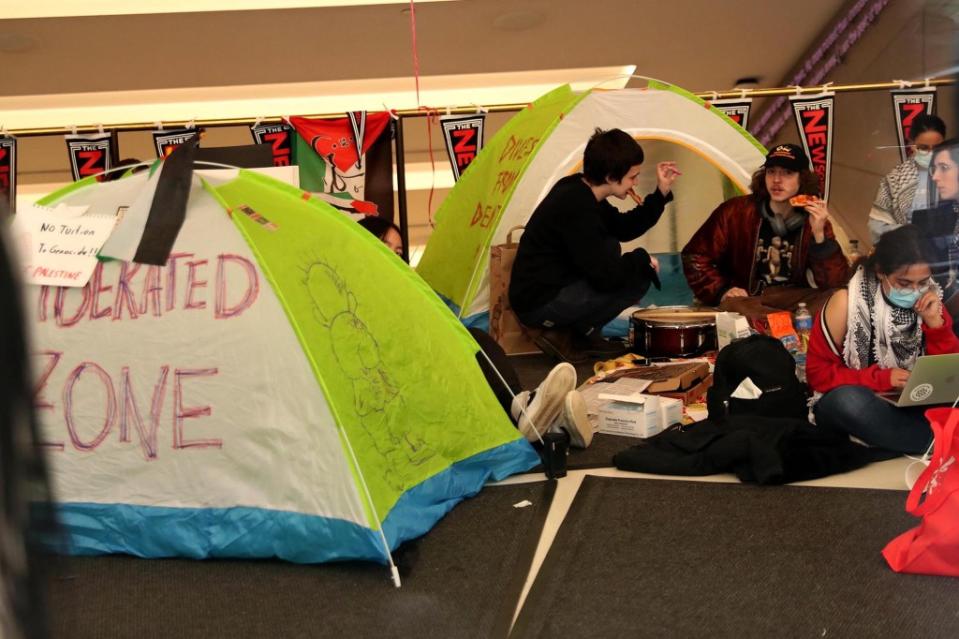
(814, 118)
(737, 110)
(90, 154)
(907, 105)
(165, 140)
(464, 139)
(279, 137)
(8, 172)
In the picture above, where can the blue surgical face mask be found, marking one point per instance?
(922, 158)
(904, 297)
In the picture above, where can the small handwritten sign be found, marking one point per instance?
(58, 246)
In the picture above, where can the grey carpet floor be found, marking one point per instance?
(462, 579)
(657, 558)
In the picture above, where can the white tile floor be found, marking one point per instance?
(889, 475)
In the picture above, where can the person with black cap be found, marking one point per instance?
(727, 262)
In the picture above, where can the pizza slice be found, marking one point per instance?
(801, 200)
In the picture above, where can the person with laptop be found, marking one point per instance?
(867, 338)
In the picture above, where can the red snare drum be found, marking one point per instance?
(673, 331)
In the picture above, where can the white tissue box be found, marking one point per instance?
(642, 416)
(729, 327)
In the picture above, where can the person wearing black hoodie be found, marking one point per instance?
(570, 276)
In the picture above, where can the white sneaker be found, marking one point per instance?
(575, 421)
(534, 417)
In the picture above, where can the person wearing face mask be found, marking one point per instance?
(907, 187)
(866, 340)
(725, 265)
(571, 276)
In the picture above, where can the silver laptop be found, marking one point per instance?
(933, 380)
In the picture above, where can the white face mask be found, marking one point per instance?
(922, 158)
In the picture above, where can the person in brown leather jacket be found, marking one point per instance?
(737, 259)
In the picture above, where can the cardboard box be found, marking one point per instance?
(677, 377)
(643, 417)
(691, 395)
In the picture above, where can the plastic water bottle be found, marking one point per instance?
(802, 322)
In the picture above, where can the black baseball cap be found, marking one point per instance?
(788, 156)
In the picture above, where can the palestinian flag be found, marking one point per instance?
(347, 162)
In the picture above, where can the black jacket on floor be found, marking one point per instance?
(763, 450)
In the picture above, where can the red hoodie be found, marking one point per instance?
(826, 369)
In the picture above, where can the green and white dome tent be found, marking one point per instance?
(283, 386)
(545, 142)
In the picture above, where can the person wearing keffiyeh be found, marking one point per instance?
(867, 338)
(908, 187)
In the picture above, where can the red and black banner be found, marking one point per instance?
(464, 139)
(737, 110)
(90, 154)
(814, 118)
(8, 173)
(907, 105)
(279, 137)
(165, 140)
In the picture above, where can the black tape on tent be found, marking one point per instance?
(168, 209)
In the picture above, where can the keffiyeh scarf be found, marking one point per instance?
(878, 332)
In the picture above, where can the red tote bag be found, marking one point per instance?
(932, 547)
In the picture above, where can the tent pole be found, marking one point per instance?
(401, 188)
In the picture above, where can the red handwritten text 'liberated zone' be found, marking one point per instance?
(122, 409)
(138, 290)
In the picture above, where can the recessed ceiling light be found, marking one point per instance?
(748, 82)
